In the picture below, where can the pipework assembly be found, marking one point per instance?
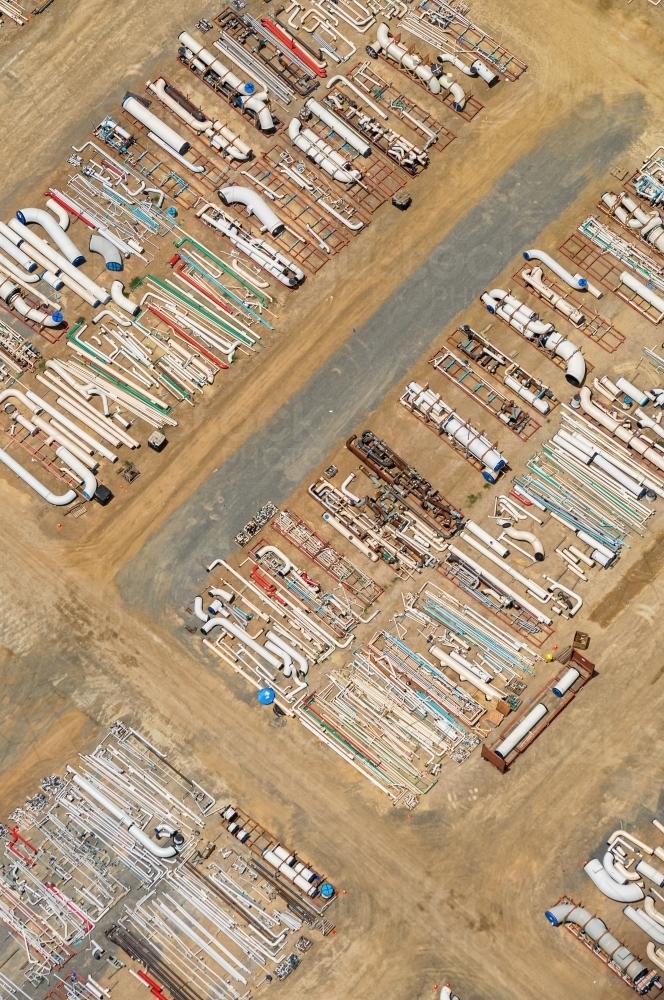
(544, 335)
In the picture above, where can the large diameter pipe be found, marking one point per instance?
(61, 263)
(565, 682)
(465, 673)
(488, 539)
(595, 871)
(138, 110)
(521, 731)
(646, 923)
(71, 426)
(500, 586)
(50, 225)
(348, 534)
(533, 588)
(57, 500)
(573, 280)
(245, 196)
(87, 478)
(643, 291)
(132, 827)
(340, 127)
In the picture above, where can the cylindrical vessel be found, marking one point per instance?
(565, 682)
(138, 111)
(519, 732)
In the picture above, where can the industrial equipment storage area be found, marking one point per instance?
(331, 477)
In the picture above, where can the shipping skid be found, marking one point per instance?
(605, 269)
(380, 181)
(472, 106)
(404, 108)
(552, 703)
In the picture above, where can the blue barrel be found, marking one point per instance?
(266, 696)
(327, 890)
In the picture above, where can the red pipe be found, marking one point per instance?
(68, 207)
(201, 288)
(294, 46)
(155, 988)
(188, 338)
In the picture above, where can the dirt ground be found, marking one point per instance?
(92, 612)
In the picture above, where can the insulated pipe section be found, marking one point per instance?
(573, 280)
(21, 258)
(10, 294)
(121, 300)
(131, 825)
(639, 443)
(596, 930)
(251, 101)
(322, 154)
(244, 637)
(106, 249)
(646, 923)
(629, 281)
(526, 536)
(138, 110)
(348, 534)
(521, 731)
(525, 321)
(189, 114)
(650, 872)
(596, 872)
(280, 643)
(488, 539)
(77, 467)
(61, 213)
(41, 218)
(49, 257)
(463, 669)
(339, 126)
(57, 500)
(234, 195)
(399, 54)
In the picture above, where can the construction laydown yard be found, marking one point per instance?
(381, 692)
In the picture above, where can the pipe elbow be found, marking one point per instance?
(245, 196)
(106, 249)
(596, 872)
(122, 301)
(50, 226)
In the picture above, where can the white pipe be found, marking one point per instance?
(652, 911)
(630, 893)
(88, 479)
(138, 110)
(132, 827)
(286, 660)
(61, 263)
(650, 872)
(465, 672)
(121, 300)
(57, 500)
(535, 278)
(339, 126)
(640, 397)
(159, 88)
(500, 586)
(176, 156)
(245, 196)
(488, 539)
(18, 255)
(343, 530)
(293, 653)
(526, 536)
(73, 445)
(532, 588)
(346, 492)
(57, 234)
(70, 425)
(609, 865)
(521, 731)
(239, 633)
(639, 443)
(400, 54)
(107, 250)
(360, 94)
(61, 214)
(646, 293)
(198, 609)
(540, 404)
(646, 923)
(573, 280)
(565, 682)
(322, 154)
(251, 101)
